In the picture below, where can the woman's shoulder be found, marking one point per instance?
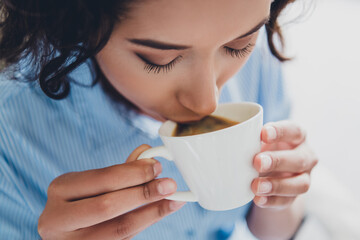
(21, 99)
(15, 102)
(11, 88)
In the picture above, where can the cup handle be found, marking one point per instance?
(162, 151)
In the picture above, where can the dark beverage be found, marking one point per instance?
(207, 124)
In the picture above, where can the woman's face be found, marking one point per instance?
(171, 58)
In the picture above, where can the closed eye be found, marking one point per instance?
(239, 53)
(157, 68)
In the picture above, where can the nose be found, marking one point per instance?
(200, 93)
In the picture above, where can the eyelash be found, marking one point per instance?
(151, 67)
(239, 53)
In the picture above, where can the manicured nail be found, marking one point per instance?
(262, 200)
(176, 205)
(157, 168)
(264, 187)
(165, 187)
(266, 162)
(271, 133)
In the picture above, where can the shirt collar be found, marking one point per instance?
(146, 124)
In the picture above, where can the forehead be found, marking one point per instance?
(193, 21)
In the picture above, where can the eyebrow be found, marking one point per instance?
(168, 46)
(158, 44)
(256, 28)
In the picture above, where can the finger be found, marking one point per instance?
(283, 131)
(136, 153)
(273, 202)
(91, 211)
(77, 185)
(275, 146)
(286, 187)
(295, 161)
(144, 217)
(130, 224)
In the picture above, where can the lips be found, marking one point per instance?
(187, 119)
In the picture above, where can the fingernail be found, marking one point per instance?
(176, 205)
(165, 187)
(262, 201)
(264, 187)
(271, 133)
(266, 162)
(157, 168)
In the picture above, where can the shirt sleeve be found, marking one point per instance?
(17, 221)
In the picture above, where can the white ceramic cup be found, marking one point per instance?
(217, 166)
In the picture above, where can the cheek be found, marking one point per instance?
(230, 67)
(126, 73)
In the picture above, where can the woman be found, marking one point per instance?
(87, 82)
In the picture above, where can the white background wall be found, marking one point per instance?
(324, 82)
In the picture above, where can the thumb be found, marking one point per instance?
(136, 153)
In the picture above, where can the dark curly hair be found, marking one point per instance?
(57, 36)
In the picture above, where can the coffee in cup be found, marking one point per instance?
(207, 124)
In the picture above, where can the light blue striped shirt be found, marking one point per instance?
(41, 138)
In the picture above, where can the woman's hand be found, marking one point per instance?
(100, 203)
(284, 164)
